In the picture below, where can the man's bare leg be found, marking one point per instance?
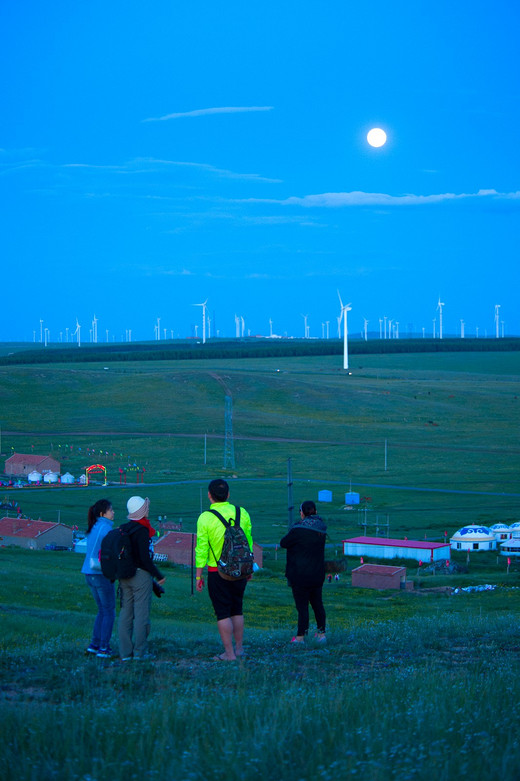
(225, 628)
(238, 633)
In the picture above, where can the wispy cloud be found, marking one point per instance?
(223, 172)
(142, 165)
(358, 198)
(204, 112)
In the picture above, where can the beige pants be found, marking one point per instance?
(134, 616)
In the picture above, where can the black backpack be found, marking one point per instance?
(116, 557)
(236, 559)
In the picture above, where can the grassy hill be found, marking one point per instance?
(448, 423)
(410, 685)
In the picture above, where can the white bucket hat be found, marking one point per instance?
(137, 508)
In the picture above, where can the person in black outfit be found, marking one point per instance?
(136, 599)
(305, 569)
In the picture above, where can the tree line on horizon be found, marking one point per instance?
(248, 348)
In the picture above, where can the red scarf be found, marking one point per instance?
(146, 523)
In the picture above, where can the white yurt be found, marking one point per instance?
(515, 528)
(67, 478)
(82, 479)
(510, 547)
(50, 477)
(473, 537)
(501, 531)
(34, 476)
(80, 546)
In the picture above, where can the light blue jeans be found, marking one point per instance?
(105, 597)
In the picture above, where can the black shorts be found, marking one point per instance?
(226, 595)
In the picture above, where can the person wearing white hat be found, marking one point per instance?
(136, 600)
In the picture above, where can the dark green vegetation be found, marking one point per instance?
(410, 686)
(241, 348)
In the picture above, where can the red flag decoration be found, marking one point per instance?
(420, 564)
(361, 559)
(508, 561)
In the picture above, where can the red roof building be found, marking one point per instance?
(35, 535)
(383, 548)
(380, 576)
(178, 547)
(21, 464)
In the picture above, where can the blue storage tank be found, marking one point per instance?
(351, 498)
(325, 496)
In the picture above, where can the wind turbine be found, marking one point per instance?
(94, 329)
(497, 320)
(344, 309)
(366, 322)
(270, 328)
(305, 317)
(203, 305)
(77, 332)
(440, 304)
(462, 329)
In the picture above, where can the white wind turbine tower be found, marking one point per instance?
(270, 328)
(440, 304)
(497, 319)
(203, 305)
(344, 309)
(243, 323)
(237, 326)
(77, 332)
(366, 322)
(94, 329)
(327, 322)
(306, 327)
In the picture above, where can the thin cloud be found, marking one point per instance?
(142, 165)
(204, 112)
(223, 172)
(358, 198)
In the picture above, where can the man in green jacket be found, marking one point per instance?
(226, 595)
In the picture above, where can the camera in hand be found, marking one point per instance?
(157, 589)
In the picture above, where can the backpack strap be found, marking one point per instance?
(227, 524)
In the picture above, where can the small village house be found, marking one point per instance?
(34, 535)
(22, 464)
(178, 547)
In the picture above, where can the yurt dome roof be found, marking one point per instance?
(473, 532)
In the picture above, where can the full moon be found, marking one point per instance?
(376, 137)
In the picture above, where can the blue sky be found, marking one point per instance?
(153, 157)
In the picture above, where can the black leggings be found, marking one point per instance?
(302, 596)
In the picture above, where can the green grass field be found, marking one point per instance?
(450, 422)
(410, 686)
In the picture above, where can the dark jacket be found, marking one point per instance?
(140, 541)
(305, 556)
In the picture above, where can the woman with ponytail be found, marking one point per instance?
(99, 522)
